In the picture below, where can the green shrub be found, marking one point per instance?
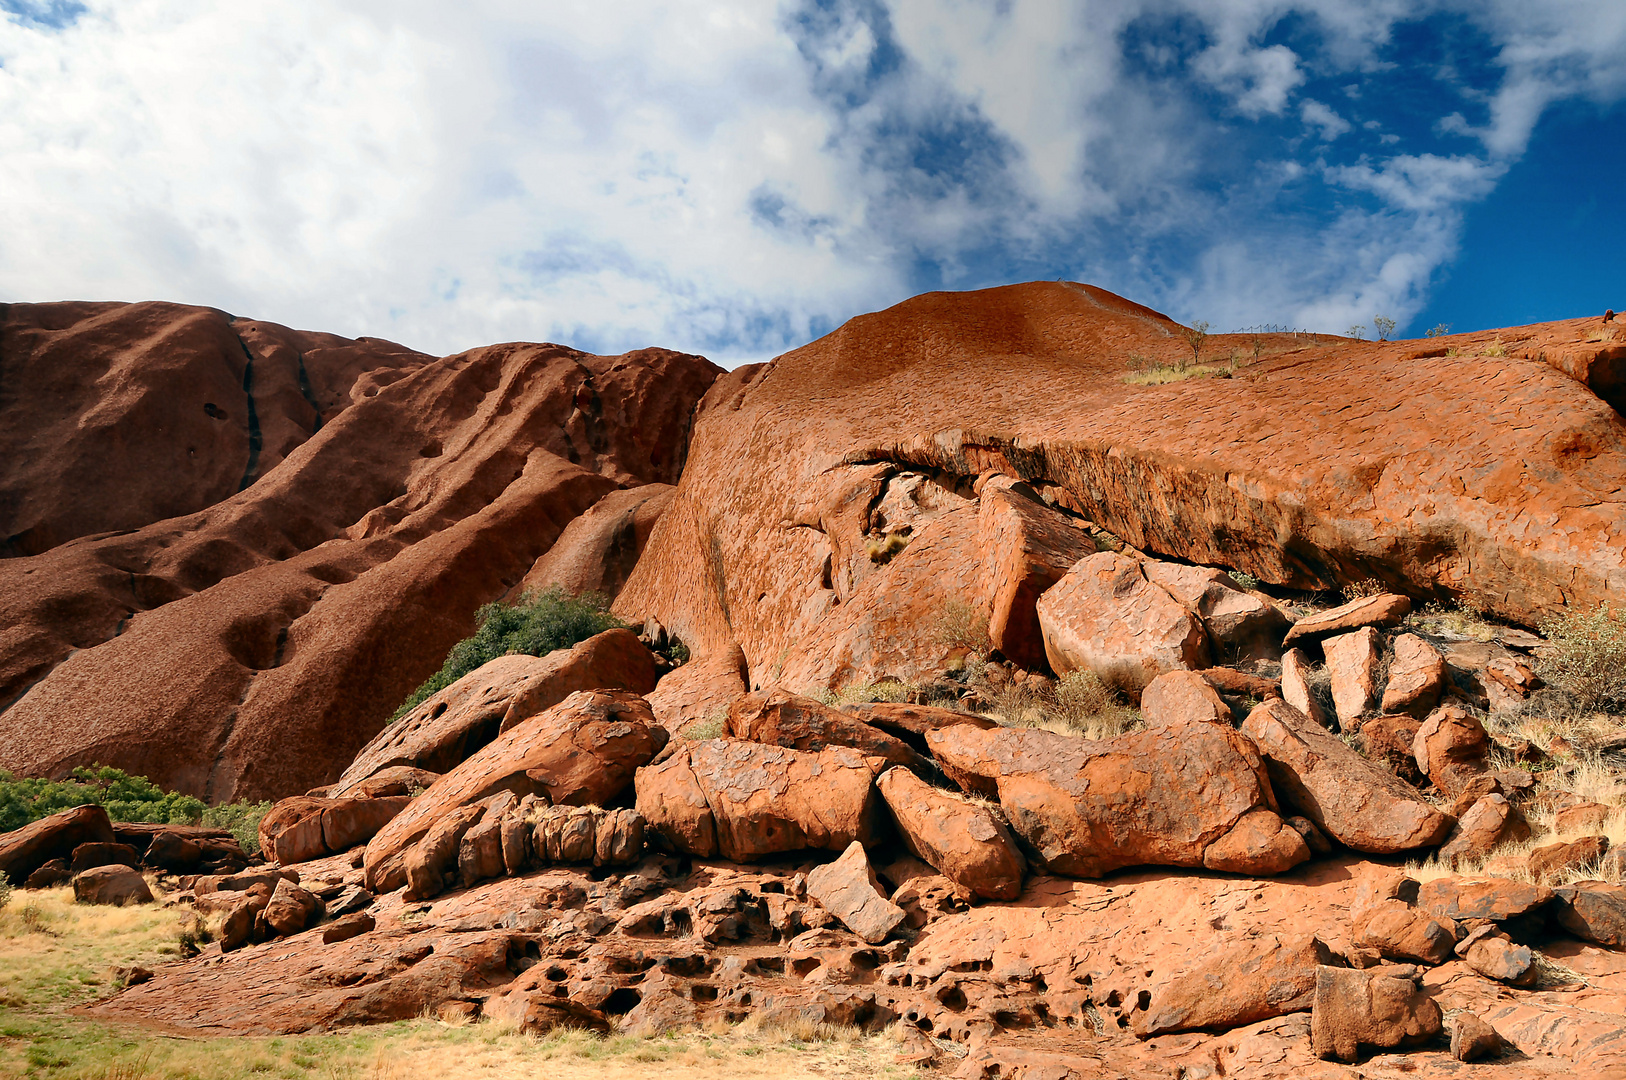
(5, 892)
(241, 819)
(1586, 657)
(126, 798)
(537, 625)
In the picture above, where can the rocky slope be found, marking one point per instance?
(241, 629)
(1492, 479)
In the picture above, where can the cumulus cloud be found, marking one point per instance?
(737, 176)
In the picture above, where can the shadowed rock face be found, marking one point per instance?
(1322, 465)
(250, 647)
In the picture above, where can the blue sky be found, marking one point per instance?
(735, 178)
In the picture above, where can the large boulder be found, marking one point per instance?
(1371, 1009)
(1383, 610)
(1026, 548)
(302, 828)
(961, 840)
(1241, 625)
(1593, 911)
(911, 722)
(746, 800)
(116, 884)
(447, 728)
(1355, 801)
(1451, 747)
(779, 718)
(248, 639)
(700, 691)
(1417, 677)
(582, 751)
(1186, 794)
(1352, 661)
(25, 850)
(848, 889)
(1175, 696)
(1106, 617)
(1239, 983)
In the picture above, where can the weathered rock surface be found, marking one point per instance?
(1352, 661)
(1489, 821)
(448, 727)
(25, 850)
(1238, 984)
(1551, 861)
(848, 889)
(597, 551)
(745, 800)
(1176, 696)
(1355, 801)
(1417, 677)
(1187, 794)
(88, 856)
(1297, 693)
(247, 643)
(1389, 739)
(1472, 1039)
(1026, 548)
(115, 884)
(1371, 1009)
(1241, 625)
(582, 751)
(911, 722)
(778, 718)
(1106, 617)
(1498, 899)
(1593, 912)
(1386, 609)
(303, 828)
(964, 842)
(1451, 747)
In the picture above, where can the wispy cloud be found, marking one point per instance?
(736, 177)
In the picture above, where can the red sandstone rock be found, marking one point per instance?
(117, 884)
(1241, 625)
(1297, 693)
(1472, 1039)
(1509, 681)
(291, 908)
(1355, 1009)
(582, 751)
(1026, 548)
(346, 927)
(24, 850)
(1494, 955)
(1400, 932)
(1175, 696)
(746, 800)
(847, 888)
(1239, 983)
(275, 630)
(1352, 661)
(699, 691)
(1489, 821)
(1354, 801)
(1106, 617)
(1188, 794)
(1386, 609)
(1498, 899)
(299, 829)
(1231, 681)
(1551, 861)
(964, 842)
(778, 718)
(911, 722)
(431, 863)
(1582, 817)
(446, 729)
(1389, 739)
(87, 856)
(597, 551)
(1417, 677)
(1451, 747)
(1593, 911)
(394, 780)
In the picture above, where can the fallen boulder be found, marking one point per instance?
(1386, 609)
(291, 908)
(1188, 794)
(449, 727)
(848, 889)
(25, 850)
(1106, 617)
(1389, 739)
(116, 884)
(779, 718)
(1451, 747)
(1241, 625)
(1239, 983)
(964, 842)
(1472, 1039)
(1296, 689)
(1375, 1009)
(1352, 661)
(1489, 821)
(1417, 677)
(745, 800)
(1593, 912)
(303, 828)
(911, 722)
(1552, 861)
(348, 926)
(1497, 899)
(1026, 548)
(582, 751)
(1356, 802)
(1175, 696)
(87, 856)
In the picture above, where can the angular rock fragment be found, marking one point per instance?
(1494, 955)
(1472, 1039)
(1498, 899)
(87, 856)
(1552, 861)
(1400, 932)
(1026, 548)
(1175, 696)
(1451, 747)
(1239, 983)
(24, 850)
(1417, 677)
(348, 926)
(1490, 821)
(1368, 1009)
(1241, 625)
(1106, 617)
(1593, 912)
(1296, 689)
(911, 722)
(430, 864)
(1383, 610)
(1354, 801)
(1352, 661)
(1389, 739)
(303, 828)
(964, 842)
(1188, 794)
(778, 718)
(848, 889)
(291, 908)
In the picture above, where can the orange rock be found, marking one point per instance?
(1416, 677)
(1240, 983)
(116, 884)
(597, 551)
(582, 751)
(448, 727)
(1389, 739)
(1489, 821)
(1106, 617)
(1373, 1009)
(964, 842)
(1026, 548)
(1297, 693)
(911, 722)
(700, 690)
(1352, 661)
(302, 828)
(1241, 625)
(1553, 860)
(24, 850)
(1188, 794)
(1175, 696)
(1387, 609)
(778, 718)
(848, 889)
(1356, 802)
(1451, 747)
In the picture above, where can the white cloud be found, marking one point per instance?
(733, 176)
